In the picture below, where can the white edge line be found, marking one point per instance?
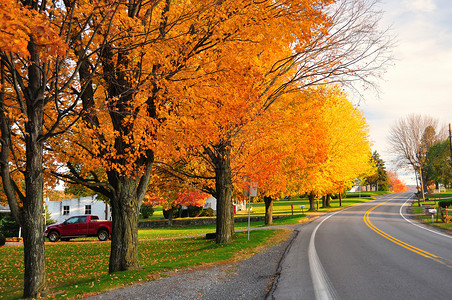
(417, 225)
(323, 288)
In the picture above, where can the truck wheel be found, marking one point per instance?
(102, 235)
(54, 236)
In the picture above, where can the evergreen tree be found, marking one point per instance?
(378, 180)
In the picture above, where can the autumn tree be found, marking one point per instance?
(395, 184)
(347, 147)
(410, 138)
(288, 138)
(37, 104)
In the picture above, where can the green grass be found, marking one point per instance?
(416, 204)
(75, 269)
(418, 210)
(439, 224)
(439, 195)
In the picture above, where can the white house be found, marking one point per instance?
(211, 202)
(61, 210)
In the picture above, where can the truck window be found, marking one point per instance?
(94, 218)
(72, 220)
(82, 219)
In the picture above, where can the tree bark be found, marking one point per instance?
(170, 216)
(340, 199)
(268, 210)
(324, 201)
(311, 197)
(328, 200)
(32, 220)
(124, 240)
(223, 186)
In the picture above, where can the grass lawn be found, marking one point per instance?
(439, 224)
(75, 269)
(440, 195)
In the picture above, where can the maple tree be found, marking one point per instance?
(288, 138)
(37, 103)
(347, 147)
(395, 184)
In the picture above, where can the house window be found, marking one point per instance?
(87, 209)
(65, 210)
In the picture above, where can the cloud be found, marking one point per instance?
(420, 5)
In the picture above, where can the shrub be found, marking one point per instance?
(2, 239)
(194, 211)
(208, 212)
(175, 213)
(146, 210)
(9, 227)
(445, 203)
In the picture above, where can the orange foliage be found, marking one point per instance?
(286, 139)
(18, 25)
(347, 146)
(395, 184)
(184, 198)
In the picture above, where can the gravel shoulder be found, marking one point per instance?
(248, 279)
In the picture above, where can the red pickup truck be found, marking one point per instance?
(79, 226)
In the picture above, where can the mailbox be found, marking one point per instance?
(432, 211)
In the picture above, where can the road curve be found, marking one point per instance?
(368, 251)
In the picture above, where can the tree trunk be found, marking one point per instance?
(125, 206)
(323, 201)
(422, 183)
(328, 200)
(340, 199)
(268, 210)
(170, 216)
(223, 186)
(32, 219)
(311, 197)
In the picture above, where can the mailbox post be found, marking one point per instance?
(432, 211)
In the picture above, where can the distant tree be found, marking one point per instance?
(438, 164)
(379, 179)
(395, 184)
(410, 138)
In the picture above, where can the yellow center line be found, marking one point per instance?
(393, 239)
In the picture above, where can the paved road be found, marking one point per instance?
(368, 251)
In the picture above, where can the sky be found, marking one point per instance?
(420, 82)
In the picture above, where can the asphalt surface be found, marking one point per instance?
(347, 255)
